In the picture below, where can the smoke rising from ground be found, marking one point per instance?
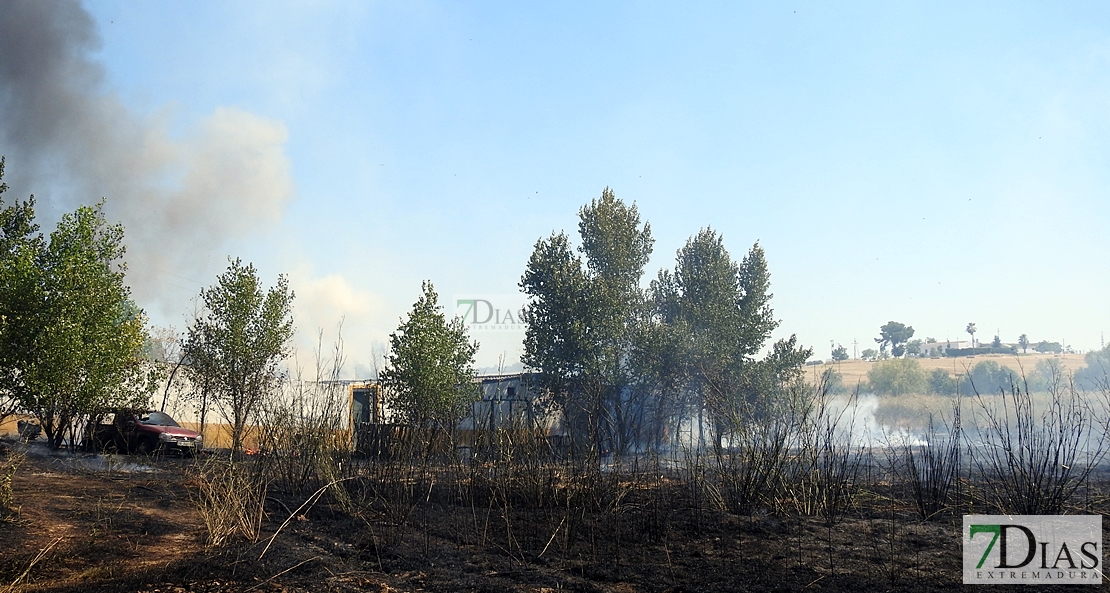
(71, 142)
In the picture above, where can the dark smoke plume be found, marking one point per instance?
(70, 141)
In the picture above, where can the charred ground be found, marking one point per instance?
(90, 523)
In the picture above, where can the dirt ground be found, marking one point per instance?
(91, 523)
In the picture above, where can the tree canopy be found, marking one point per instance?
(236, 345)
(431, 366)
(71, 339)
(583, 315)
(720, 310)
(619, 363)
(896, 377)
(894, 334)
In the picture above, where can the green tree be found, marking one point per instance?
(899, 376)
(869, 354)
(989, 377)
(971, 329)
(996, 342)
(237, 345)
(583, 316)
(20, 247)
(1096, 375)
(941, 382)
(1023, 341)
(707, 292)
(1051, 376)
(894, 334)
(833, 382)
(431, 366)
(721, 313)
(555, 340)
(1046, 347)
(71, 339)
(913, 347)
(840, 353)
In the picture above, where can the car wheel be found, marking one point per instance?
(145, 446)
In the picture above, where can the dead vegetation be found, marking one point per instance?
(799, 499)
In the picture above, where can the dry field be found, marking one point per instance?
(854, 371)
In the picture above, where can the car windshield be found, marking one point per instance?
(156, 419)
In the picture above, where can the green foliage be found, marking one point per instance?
(1023, 342)
(616, 363)
(839, 353)
(989, 377)
(894, 334)
(941, 382)
(70, 337)
(869, 354)
(583, 317)
(1049, 375)
(235, 348)
(996, 342)
(833, 382)
(1046, 347)
(431, 366)
(556, 340)
(720, 312)
(899, 376)
(1096, 375)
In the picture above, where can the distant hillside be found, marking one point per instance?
(854, 371)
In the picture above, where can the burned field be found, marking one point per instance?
(512, 519)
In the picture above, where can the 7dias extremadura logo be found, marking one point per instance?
(1027, 549)
(491, 312)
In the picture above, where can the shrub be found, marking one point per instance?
(898, 376)
(1096, 375)
(834, 382)
(230, 497)
(941, 382)
(989, 377)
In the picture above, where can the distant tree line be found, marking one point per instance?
(905, 376)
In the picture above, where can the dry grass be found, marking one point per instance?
(854, 371)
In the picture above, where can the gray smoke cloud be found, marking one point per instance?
(70, 141)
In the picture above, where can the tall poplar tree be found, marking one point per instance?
(582, 319)
(719, 315)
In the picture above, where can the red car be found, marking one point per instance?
(144, 432)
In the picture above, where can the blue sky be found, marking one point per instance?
(934, 164)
